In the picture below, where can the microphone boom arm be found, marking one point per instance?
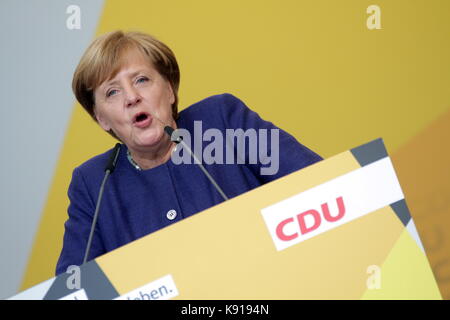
(179, 140)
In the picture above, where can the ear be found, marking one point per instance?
(171, 94)
(101, 121)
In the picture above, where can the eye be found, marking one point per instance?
(111, 92)
(141, 79)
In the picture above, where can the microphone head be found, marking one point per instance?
(111, 164)
(174, 136)
(169, 130)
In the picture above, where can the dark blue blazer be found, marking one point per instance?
(136, 203)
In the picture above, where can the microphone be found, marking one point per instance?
(109, 168)
(175, 137)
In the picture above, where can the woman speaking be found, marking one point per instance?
(128, 83)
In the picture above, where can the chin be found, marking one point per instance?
(150, 138)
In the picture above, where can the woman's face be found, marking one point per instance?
(132, 102)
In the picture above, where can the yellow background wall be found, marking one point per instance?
(311, 67)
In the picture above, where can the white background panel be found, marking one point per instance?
(37, 58)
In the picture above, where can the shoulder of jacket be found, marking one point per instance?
(96, 163)
(210, 104)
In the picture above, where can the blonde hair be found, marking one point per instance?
(102, 61)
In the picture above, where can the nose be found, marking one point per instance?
(132, 97)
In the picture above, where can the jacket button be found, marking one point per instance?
(171, 214)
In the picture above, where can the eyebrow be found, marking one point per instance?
(116, 81)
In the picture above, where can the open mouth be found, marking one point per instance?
(142, 119)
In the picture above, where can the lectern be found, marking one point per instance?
(339, 229)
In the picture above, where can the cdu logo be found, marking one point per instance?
(309, 221)
(332, 204)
